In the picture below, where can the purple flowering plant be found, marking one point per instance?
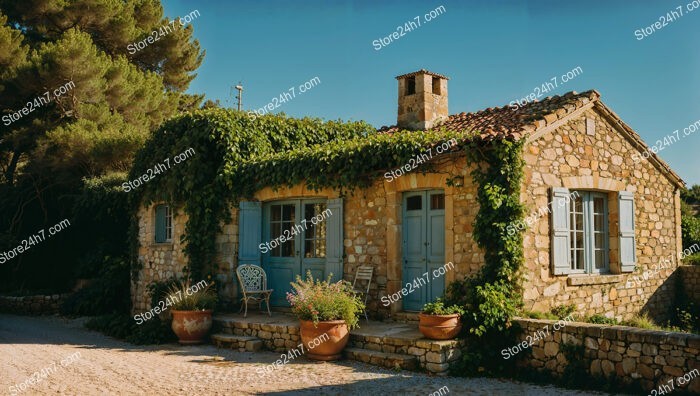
(321, 301)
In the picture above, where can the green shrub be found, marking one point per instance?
(690, 230)
(320, 301)
(563, 311)
(600, 319)
(123, 327)
(688, 318)
(184, 296)
(539, 315)
(109, 293)
(438, 308)
(692, 260)
(643, 321)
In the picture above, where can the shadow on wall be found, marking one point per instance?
(661, 306)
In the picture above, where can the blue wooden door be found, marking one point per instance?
(281, 262)
(303, 249)
(423, 247)
(414, 248)
(435, 213)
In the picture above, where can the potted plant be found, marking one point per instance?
(438, 322)
(192, 307)
(326, 311)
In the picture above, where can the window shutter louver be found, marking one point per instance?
(249, 232)
(628, 256)
(334, 240)
(561, 257)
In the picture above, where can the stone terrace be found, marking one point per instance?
(386, 344)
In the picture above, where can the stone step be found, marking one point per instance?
(383, 359)
(406, 317)
(242, 343)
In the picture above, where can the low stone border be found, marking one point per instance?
(277, 338)
(32, 305)
(628, 354)
(433, 356)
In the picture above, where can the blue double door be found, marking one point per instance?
(304, 246)
(423, 247)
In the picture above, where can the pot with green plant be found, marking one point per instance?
(327, 311)
(192, 307)
(438, 322)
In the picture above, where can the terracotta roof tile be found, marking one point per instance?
(422, 71)
(514, 123)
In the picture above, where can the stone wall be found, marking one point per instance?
(433, 356)
(629, 355)
(603, 161)
(372, 235)
(162, 261)
(159, 261)
(372, 226)
(32, 305)
(566, 156)
(690, 277)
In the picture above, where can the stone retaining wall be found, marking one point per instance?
(275, 337)
(690, 277)
(433, 356)
(629, 355)
(32, 305)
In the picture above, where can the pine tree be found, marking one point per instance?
(115, 99)
(73, 147)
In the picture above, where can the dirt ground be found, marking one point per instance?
(77, 361)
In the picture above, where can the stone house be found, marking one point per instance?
(599, 211)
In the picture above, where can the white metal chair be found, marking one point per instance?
(253, 282)
(364, 273)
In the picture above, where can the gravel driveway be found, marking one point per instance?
(77, 361)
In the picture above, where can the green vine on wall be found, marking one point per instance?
(237, 155)
(495, 294)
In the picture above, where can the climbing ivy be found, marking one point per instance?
(493, 296)
(236, 155)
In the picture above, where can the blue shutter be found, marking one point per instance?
(561, 257)
(334, 240)
(249, 232)
(160, 223)
(628, 256)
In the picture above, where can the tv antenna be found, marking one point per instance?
(239, 87)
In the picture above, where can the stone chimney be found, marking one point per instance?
(422, 100)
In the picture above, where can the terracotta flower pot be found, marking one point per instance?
(191, 326)
(330, 346)
(439, 327)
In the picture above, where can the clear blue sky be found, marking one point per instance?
(493, 52)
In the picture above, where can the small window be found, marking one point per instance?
(164, 224)
(590, 126)
(437, 201)
(414, 203)
(589, 233)
(436, 86)
(410, 85)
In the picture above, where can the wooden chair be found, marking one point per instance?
(364, 273)
(253, 282)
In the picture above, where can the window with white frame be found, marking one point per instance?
(588, 244)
